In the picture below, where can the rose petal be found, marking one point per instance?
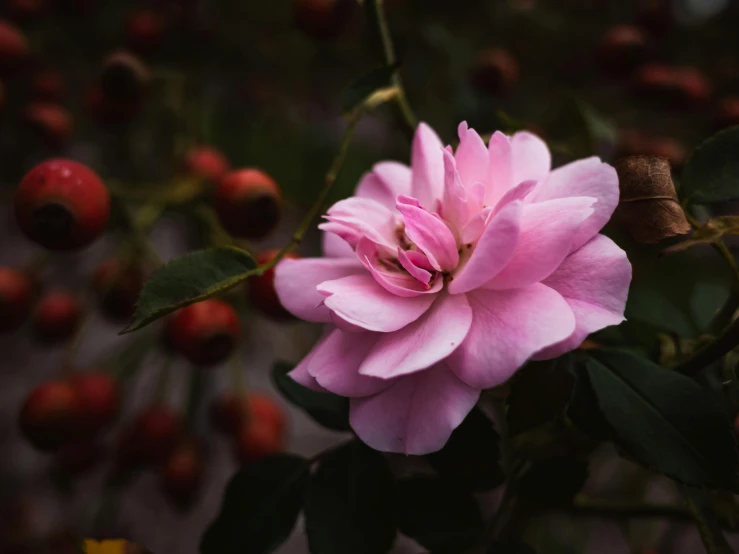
(430, 234)
(335, 360)
(385, 182)
(296, 282)
(427, 165)
(421, 344)
(547, 231)
(500, 168)
(508, 328)
(531, 158)
(419, 273)
(359, 300)
(493, 251)
(455, 210)
(588, 177)
(594, 281)
(301, 376)
(471, 156)
(355, 218)
(333, 246)
(416, 415)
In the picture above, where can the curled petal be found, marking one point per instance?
(416, 415)
(455, 210)
(415, 263)
(359, 300)
(423, 343)
(427, 166)
(471, 156)
(430, 234)
(354, 218)
(508, 328)
(296, 282)
(385, 182)
(333, 246)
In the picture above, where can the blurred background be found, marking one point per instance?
(162, 98)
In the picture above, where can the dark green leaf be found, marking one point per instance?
(260, 507)
(365, 86)
(326, 409)
(540, 393)
(438, 514)
(189, 279)
(553, 482)
(711, 173)
(349, 507)
(470, 457)
(664, 420)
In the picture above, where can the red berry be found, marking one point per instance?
(62, 205)
(47, 85)
(117, 288)
(123, 77)
(494, 72)
(78, 457)
(53, 124)
(323, 19)
(680, 89)
(57, 316)
(249, 203)
(256, 441)
(100, 399)
(622, 49)
(206, 163)
(51, 415)
(182, 473)
(16, 293)
(232, 411)
(144, 31)
(109, 111)
(205, 332)
(150, 438)
(13, 47)
(728, 112)
(261, 289)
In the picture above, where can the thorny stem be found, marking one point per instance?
(406, 112)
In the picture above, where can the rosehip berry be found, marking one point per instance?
(144, 31)
(728, 112)
(123, 77)
(261, 289)
(57, 317)
(323, 19)
(206, 163)
(16, 292)
(248, 203)
(182, 473)
(232, 411)
(62, 205)
(13, 47)
(109, 111)
(622, 49)
(99, 397)
(205, 332)
(256, 441)
(150, 438)
(674, 88)
(47, 85)
(51, 123)
(51, 415)
(494, 72)
(78, 457)
(117, 287)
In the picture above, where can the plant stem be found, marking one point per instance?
(195, 396)
(722, 345)
(407, 117)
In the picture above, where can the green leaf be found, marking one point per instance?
(664, 420)
(189, 279)
(553, 482)
(540, 394)
(711, 174)
(437, 514)
(349, 507)
(260, 507)
(470, 457)
(370, 86)
(328, 410)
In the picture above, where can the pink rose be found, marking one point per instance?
(442, 279)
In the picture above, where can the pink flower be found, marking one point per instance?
(442, 279)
